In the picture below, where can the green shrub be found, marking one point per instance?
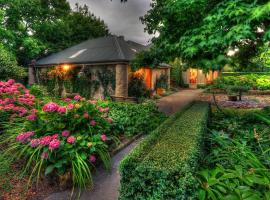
(163, 165)
(253, 81)
(132, 119)
(39, 91)
(137, 87)
(9, 67)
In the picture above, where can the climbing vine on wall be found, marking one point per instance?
(82, 80)
(107, 80)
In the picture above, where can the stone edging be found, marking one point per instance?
(125, 144)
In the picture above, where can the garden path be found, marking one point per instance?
(175, 102)
(106, 184)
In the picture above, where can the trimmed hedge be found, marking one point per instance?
(163, 164)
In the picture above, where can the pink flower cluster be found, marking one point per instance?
(93, 122)
(103, 137)
(92, 158)
(65, 133)
(103, 109)
(15, 98)
(23, 137)
(26, 99)
(50, 107)
(54, 144)
(10, 87)
(71, 139)
(77, 98)
(32, 116)
(21, 111)
(51, 141)
(54, 107)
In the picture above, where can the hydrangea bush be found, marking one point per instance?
(15, 101)
(68, 136)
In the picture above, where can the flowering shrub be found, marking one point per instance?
(15, 101)
(63, 137)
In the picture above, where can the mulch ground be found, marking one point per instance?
(248, 101)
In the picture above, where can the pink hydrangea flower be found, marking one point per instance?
(65, 133)
(103, 137)
(71, 139)
(24, 136)
(70, 106)
(86, 115)
(55, 136)
(93, 122)
(67, 100)
(110, 120)
(32, 117)
(54, 144)
(77, 98)
(92, 158)
(10, 82)
(50, 107)
(34, 143)
(45, 155)
(45, 140)
(62, 109)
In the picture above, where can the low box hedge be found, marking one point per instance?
(163, 164)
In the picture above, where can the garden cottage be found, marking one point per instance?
(97, 68)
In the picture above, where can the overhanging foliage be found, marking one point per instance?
(202, 31)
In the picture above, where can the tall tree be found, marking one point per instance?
(8, 66)
(202, 32)
(29, 27)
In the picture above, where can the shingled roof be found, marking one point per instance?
(100, 50)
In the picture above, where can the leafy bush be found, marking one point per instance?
(62, 138)
(163, 165)
(39, 91)
(137, 87)
(132, 119)
(253, 81)
(8, 66)
(237, 166)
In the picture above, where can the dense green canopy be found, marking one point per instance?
(29, 27)
(8, 66)
(202, 32)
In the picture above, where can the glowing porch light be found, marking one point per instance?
(66, 67)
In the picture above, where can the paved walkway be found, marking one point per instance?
(106, 185)
(171, 104)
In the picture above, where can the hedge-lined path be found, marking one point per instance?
(105, 184)
(175, 102)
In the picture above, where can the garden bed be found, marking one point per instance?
(237, 162)
(58, 144)
(248, 101)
